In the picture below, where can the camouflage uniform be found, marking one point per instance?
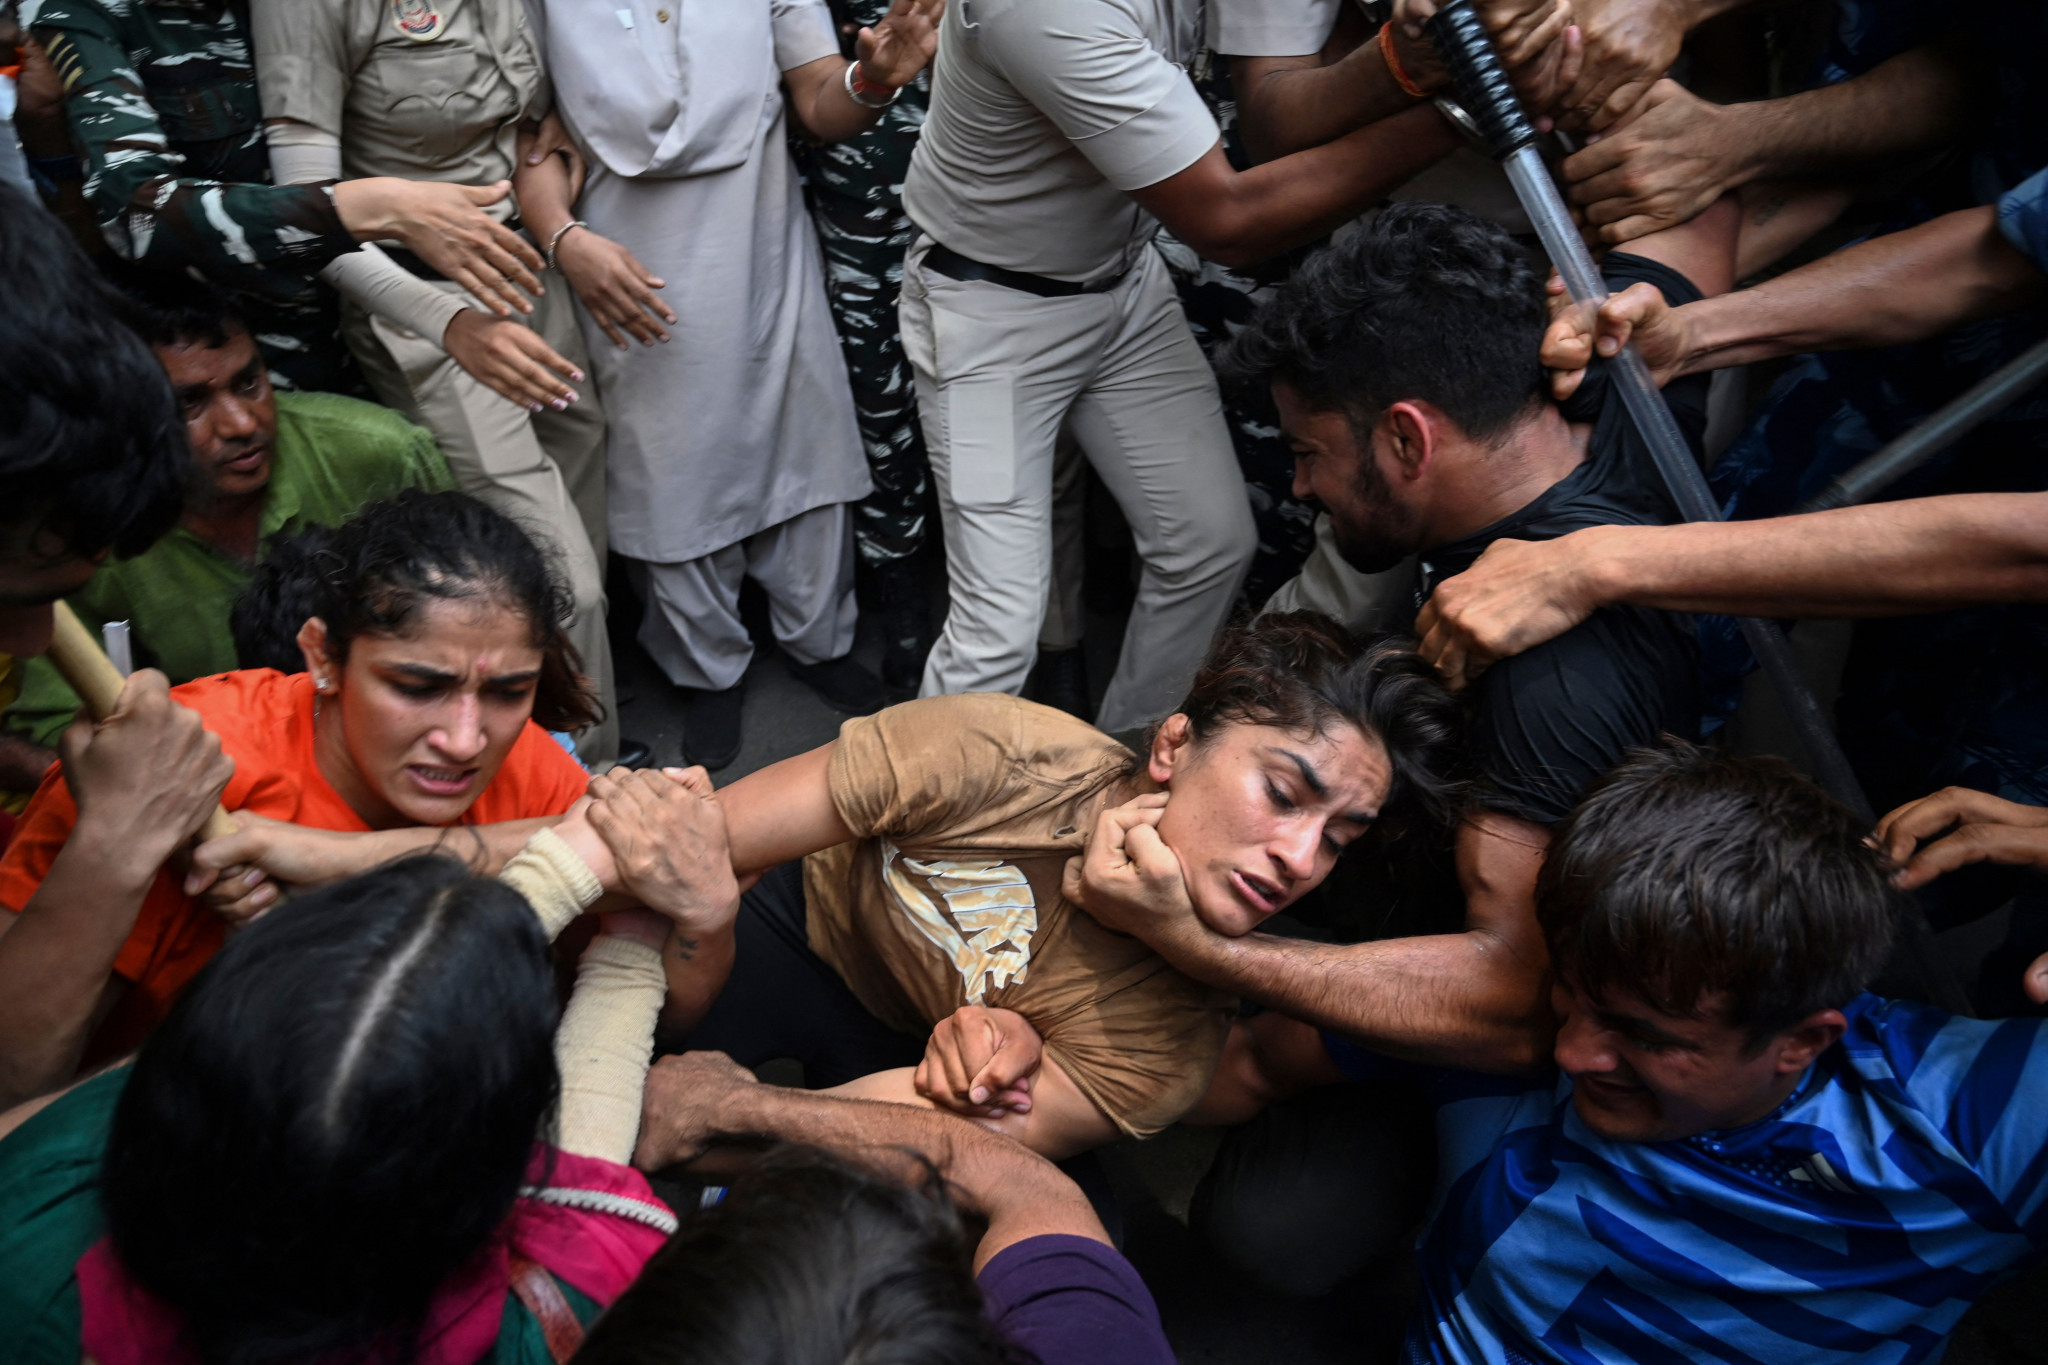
(854, 189)
(161, 96)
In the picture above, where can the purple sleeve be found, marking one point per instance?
(1073, 1301)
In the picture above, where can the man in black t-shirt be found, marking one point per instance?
(1404, 364)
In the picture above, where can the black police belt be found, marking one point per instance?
(950, 263)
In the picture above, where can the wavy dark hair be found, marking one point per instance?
(1302, 671)
(336, 1115)
(1424, 302)
(375, 573)
(283, 593)
(811, 1259)
(92, 451)
(1687, 874)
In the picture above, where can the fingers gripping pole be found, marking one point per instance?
(98, 684)
(1484, 90)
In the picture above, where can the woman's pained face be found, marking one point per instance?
(425, 719)
(1257, 814)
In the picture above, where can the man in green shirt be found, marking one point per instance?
(264, 465)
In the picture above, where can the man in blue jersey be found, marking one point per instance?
(1737, 1155)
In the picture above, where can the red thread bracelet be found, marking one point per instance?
(1394, 67)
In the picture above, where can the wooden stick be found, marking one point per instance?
(98, 684)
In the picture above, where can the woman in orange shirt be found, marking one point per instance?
(435, 658)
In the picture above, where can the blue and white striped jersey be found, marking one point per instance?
(1904, 1176)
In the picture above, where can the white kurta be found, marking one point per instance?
(744, 418)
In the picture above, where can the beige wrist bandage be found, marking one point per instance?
(556, 883)
(604, 1044)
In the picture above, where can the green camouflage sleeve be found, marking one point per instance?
(235, 234)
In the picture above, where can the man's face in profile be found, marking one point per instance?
(230, 413)
(1338, 468)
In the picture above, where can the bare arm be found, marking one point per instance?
(236, 872)
(1676, 153)
(1288, 104)
(1237, 218)
(1892, 558)
(699, 1098)
(616, 289)
(145, 779)
(1285, 104)
(781, 812)
(1474, 999)
(1061, 1121)
(1893, 289)
(890, 56)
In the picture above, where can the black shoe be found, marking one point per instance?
(905, 609)
(711, 725)
(1061, 680)
(841, 684)
(634, 754)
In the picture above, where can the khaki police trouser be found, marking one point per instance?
(544, 470)
(998, 370)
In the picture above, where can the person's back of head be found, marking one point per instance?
(284, 592)
(170, 308)
(1425, 302)
(1689, 875)
(336, 1115)
(810, 1260)
(92, 455)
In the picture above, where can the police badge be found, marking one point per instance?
(418, 20)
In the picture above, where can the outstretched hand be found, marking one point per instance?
(903, 44)
(980, 1063)
(1957, 826)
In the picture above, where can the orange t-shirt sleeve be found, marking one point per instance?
(538, 778)
(38, 838)
(160, 947)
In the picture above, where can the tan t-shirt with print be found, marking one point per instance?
(968, 808)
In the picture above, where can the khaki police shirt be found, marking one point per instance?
(1043, 114)
(966, 810)
(1271, 28)
(425, 89)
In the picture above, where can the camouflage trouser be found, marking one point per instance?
(864, 245)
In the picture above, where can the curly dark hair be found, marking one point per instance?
(1425, 302)
(92, 451)
(1302, 671)
(376, 571)
(1687, 873)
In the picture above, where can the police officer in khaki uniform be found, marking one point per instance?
(439, 90)
(1061, 134)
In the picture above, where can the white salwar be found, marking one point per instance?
(744, 420)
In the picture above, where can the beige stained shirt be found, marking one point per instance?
(967, 809)
(443, 108)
